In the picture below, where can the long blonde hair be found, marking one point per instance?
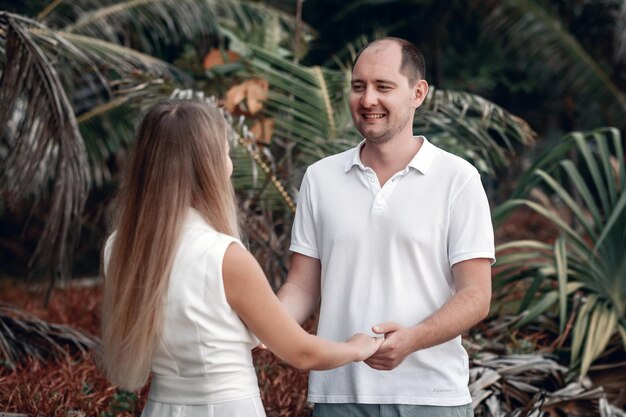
(179, 161)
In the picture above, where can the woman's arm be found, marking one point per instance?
(251, 296)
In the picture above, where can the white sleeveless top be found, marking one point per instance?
(204, 352)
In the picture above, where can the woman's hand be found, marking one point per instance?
(365, 345)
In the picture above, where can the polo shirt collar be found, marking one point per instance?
(422, 160)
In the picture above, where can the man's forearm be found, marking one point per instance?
(298, 302)
(468, 307)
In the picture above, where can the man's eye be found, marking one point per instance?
(357, 87)
(384, 88)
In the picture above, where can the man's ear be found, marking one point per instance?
(420, 91)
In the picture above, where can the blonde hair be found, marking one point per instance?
(179, 161)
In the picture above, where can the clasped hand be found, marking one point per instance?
(395, 347)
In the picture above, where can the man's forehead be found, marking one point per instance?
(381, 56)
(386, 46)
(381, 52)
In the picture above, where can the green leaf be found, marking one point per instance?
(601, 327)
(568, 200)
(580, 328)
(540, 307)
(560, 255)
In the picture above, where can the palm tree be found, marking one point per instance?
(71, 81)
(76, 64)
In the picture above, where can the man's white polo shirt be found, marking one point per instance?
(386, 255)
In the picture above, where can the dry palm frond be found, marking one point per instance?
(46, 148)
(532, 385)
(48, 78)
(25, 336)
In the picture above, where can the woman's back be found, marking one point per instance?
(203, 352)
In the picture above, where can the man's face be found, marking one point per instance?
(382, 102)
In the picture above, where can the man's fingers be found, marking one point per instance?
(386, 327)
(381, 352)
(378, 365)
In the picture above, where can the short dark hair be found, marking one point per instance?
(412, 66)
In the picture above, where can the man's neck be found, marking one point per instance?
(390, 157)
(395, 153)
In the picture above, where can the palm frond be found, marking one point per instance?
(344, 57)
(472, 127)
(48, 79)
(308, 104)
(45, 144)
(550, 52)
(24, 336)
(150, 24)
(118, 59)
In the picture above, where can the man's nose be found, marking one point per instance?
(368, 98)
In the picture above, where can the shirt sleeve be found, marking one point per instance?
(470, 234)
(303, 232)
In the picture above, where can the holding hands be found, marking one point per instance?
(365, 345)
(387, 352)
(395, 347)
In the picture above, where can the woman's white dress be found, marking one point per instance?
(202, 365)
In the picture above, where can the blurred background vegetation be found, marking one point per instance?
(530, 91)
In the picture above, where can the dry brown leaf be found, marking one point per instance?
(263, 130)
(257, 91)
(254, 90)
(215, 58)
(234, 96)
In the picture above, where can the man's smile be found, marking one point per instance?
(373, 115)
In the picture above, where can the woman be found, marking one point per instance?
(181, 292)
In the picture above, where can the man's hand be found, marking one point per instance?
(398, 344)
(470, 304)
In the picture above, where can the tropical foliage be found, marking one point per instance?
(74, 78)
(306, 104)
(72, 63)
(582, 273)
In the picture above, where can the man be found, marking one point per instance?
(395, 233)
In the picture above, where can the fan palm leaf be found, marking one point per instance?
(588, 257)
